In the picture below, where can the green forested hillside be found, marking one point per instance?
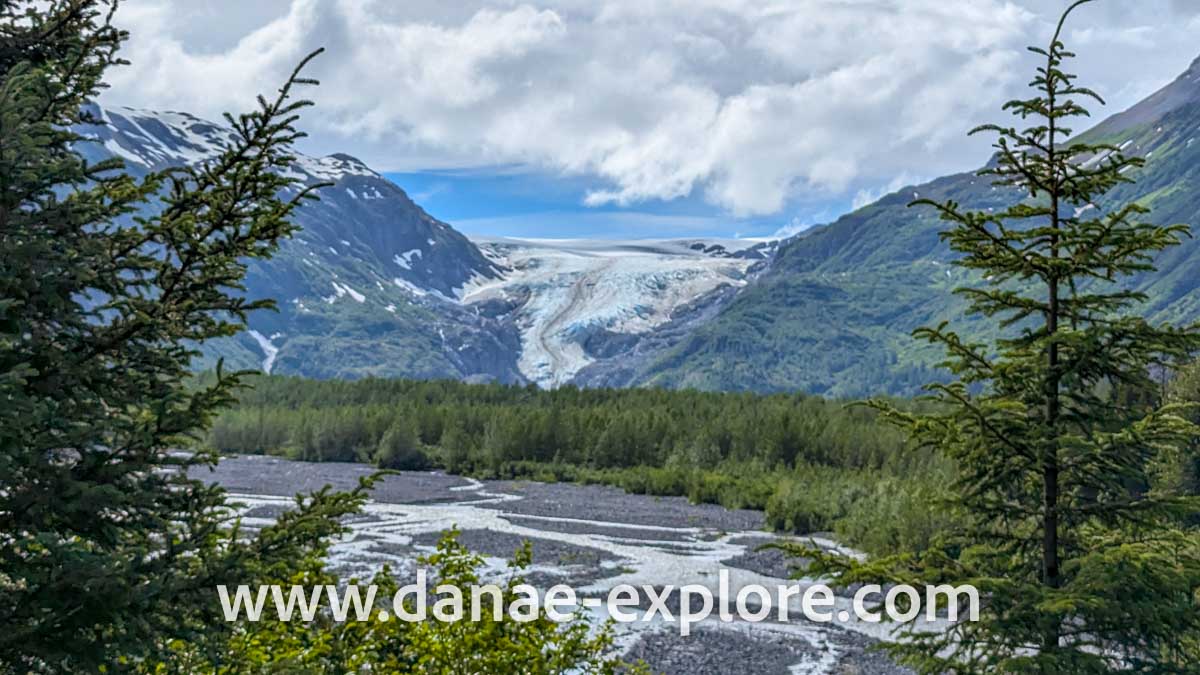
(834, 313)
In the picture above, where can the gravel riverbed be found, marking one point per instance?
(589, 537)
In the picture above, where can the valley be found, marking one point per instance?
(446, 354)
(573, 299)
(374, 286)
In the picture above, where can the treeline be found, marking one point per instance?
(811, 463)
(484, 427)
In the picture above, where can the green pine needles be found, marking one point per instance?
(1082, 558)
(108, 548)
(111, 547)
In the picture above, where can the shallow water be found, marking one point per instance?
(591, 538)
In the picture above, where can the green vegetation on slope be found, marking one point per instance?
(834, 312)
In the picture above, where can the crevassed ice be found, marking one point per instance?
(574, 286)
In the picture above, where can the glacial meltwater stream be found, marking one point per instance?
(591, 538)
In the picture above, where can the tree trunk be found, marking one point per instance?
(1050, 468)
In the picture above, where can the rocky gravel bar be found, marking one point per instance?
(587, 536)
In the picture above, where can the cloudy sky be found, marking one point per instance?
(643, 117)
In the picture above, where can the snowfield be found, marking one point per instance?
(157, 139)
(568, 289)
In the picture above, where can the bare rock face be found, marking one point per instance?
(372, 285)
(369, 284)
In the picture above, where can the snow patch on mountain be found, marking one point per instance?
(405, 259)
(156, 140)
(569, 289)
(270, 351)
(410, 287)
(341, 290)
(330, 168)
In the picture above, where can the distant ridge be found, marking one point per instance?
(375, 286)
(834, 312)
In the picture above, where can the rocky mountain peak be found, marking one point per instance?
(153, 140)
(1191, 78)
(369, 283)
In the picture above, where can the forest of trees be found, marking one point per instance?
(1056, 472)
(478, 427)
(811, 463)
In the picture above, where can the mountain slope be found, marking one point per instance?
(833, 313)
(367, 287)
(374, 285)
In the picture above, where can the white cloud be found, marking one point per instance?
(1142, 37)
(794, 227)
(868, 195)
(749, 104)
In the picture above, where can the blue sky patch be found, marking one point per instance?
(514, 202)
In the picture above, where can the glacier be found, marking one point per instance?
(564, 290)
(369, 261)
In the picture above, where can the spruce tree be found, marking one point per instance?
(1184, 470)
(1084, 566)
(109, 548)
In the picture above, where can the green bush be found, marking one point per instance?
(895, 515)
(401, 450)
(431, 647)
